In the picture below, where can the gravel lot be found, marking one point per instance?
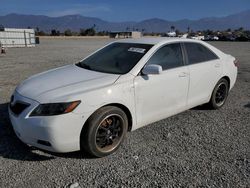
(197, 148)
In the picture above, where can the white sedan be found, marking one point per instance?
(123, 86)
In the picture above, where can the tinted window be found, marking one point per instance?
(169, 56)
(116, 58)
(198, 53)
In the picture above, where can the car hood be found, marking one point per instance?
(66, 80)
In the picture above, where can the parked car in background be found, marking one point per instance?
(123, 86)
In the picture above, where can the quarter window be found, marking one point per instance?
(198, 53)
(169, 56)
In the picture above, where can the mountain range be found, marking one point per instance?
(75, 22)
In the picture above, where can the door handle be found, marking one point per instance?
(217, 65)
(183, 74)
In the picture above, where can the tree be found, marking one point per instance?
(172, 28)
(241, 29)
(67, 32)
(55, 32)
(1, 27)
(177, 32)
(247, 34)
(102, 33)
(40, 32)
(90, 31)
(208, 32)
(82, 32)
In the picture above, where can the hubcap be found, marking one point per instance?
(109, 133)
(221, 94)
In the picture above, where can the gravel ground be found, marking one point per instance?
(197, 148)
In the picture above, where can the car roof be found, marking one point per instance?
(156, 40)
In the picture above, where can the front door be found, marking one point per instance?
(163, 95)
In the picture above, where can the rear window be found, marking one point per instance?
(198, 53)
(116, 58)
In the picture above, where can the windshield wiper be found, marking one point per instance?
(82, 65)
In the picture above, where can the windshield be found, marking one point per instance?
(116, 58)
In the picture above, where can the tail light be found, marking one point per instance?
(236, 63)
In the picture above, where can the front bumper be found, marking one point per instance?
(59, 133)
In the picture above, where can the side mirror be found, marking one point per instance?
(152, 69)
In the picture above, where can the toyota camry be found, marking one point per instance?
(130, 83)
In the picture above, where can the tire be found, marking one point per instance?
(104, 131)
(219, 95)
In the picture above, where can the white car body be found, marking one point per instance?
(146, 100)
(198, 37)
(171, 34)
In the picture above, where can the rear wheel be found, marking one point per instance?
(105, 131)
(219, 94)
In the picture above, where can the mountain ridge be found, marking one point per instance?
(76, 22)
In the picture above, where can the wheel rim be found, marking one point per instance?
(109, 133)
(221, 94)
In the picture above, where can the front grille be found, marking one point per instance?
(18, 107)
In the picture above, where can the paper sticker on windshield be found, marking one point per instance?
(138, 50)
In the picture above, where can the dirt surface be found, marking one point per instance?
(197, 148)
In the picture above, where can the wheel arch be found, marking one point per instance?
(127, 112)
(223, 77)
(228, 80)
(118, 105)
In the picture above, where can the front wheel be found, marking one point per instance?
(219, 94)
(104, 131)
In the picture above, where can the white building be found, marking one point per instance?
(10, 37)
(125, 34)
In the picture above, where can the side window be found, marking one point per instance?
(198, 53)
(169, 56)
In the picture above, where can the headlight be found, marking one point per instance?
(52, 109)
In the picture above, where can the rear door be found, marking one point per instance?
(205, 71)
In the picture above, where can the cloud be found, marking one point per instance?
(84, 9)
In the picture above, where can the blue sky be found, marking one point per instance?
(127, 10)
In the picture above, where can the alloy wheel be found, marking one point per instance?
(109, 133)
